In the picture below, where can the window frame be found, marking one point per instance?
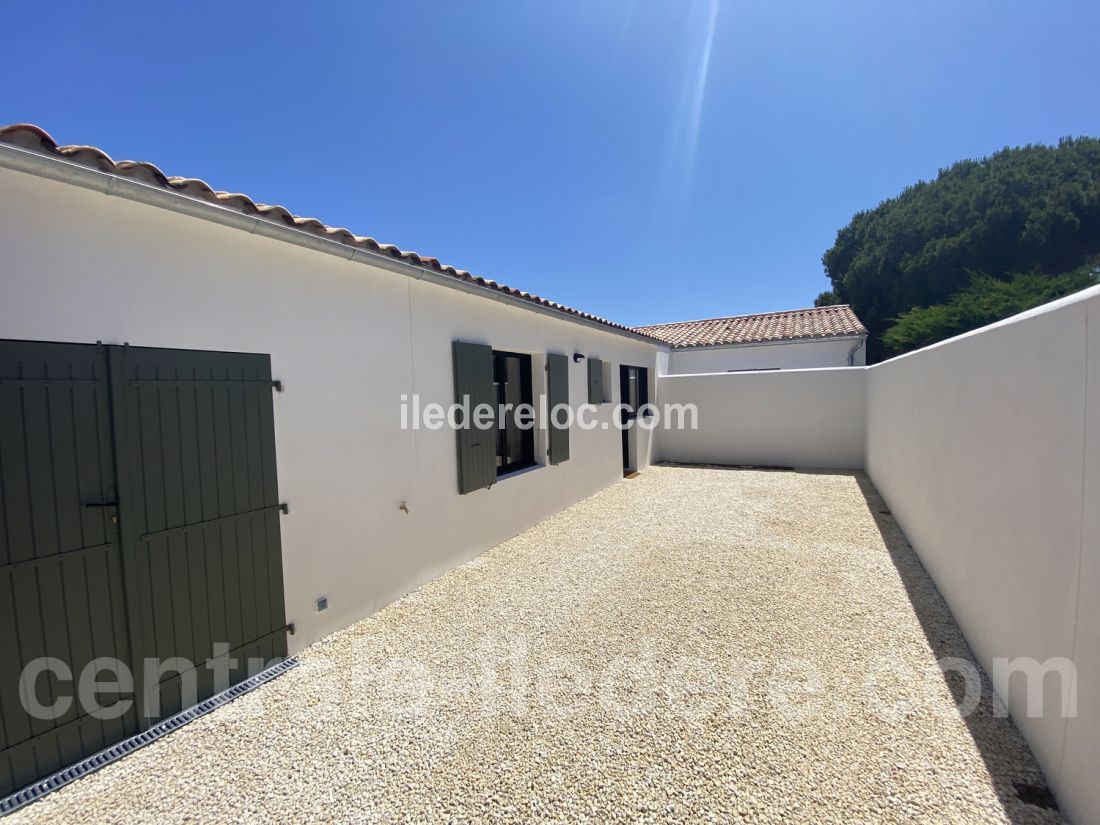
(641, 383)
(526, 456)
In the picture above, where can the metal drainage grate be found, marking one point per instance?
(37, 790)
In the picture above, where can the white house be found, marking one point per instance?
(352, 334)
(829, 336)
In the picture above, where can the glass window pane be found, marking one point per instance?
(515, 446)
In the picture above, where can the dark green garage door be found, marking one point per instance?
(139, 520)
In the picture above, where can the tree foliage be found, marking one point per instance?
(1034, 209)
(984, 301)
(827, 299)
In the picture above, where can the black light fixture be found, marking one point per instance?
(577, 357)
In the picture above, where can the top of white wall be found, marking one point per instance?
(1053, 306)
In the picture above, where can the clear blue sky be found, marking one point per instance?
(646, 161)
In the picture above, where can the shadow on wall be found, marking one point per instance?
(1024, 796)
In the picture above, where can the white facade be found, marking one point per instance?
(807, 353)
(348, 341)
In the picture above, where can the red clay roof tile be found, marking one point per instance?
(819, 322)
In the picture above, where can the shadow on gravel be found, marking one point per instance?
(1016, 776)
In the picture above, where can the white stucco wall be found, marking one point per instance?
(790, 355)
(987, 449)
(796, 418)
(347, 340)
(1081, 753)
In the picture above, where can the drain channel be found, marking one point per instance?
(63, 777)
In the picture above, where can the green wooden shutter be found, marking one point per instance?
(139, 521)
(557, 386)
(477, 455)
(595, 381)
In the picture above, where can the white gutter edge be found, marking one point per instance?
(64, 171)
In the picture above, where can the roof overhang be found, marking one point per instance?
(818, 339)
(65, 171)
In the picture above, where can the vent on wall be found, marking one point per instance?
(37, 790)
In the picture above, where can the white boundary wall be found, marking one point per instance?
(987, 449)
(790, 418)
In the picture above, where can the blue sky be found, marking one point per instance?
(645, 161)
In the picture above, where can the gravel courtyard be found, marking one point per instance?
(693, 644)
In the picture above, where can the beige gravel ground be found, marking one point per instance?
(691, 645)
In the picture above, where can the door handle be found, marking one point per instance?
(98, 505)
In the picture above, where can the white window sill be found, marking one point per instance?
(522, 472)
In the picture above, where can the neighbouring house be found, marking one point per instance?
(829, 336)
(201, 440)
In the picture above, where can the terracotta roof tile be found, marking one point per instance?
(32, 138)
(819, 322)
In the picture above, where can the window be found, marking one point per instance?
(633, 388)
(512, 381)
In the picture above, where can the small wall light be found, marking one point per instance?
(577, 357)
